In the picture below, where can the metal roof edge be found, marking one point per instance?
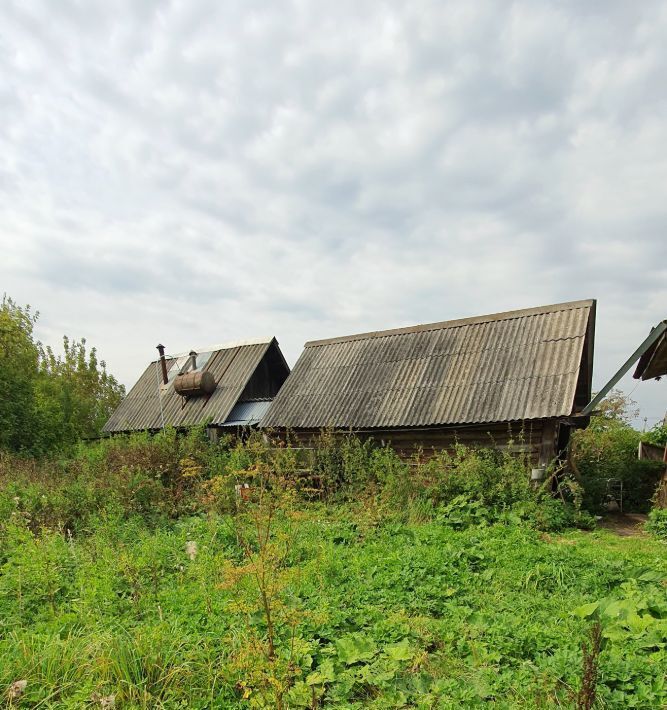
(505, 315)
(357, 429)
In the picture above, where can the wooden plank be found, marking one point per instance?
(548, 445)
(515, 438)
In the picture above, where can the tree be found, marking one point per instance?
(48, 401)
(75, 393)
(617, 410)
(19, 364)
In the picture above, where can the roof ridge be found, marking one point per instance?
(458, 322)
(222, 346)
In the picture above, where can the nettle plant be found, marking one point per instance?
(269, 655)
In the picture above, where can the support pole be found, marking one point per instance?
(650, 340)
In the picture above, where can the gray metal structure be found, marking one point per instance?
(519, 365)
(248, 413)
(243, 371)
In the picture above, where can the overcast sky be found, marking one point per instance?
(200, 171)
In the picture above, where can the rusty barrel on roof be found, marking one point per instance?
(194, 384)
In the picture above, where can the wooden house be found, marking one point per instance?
(517, 379)
(228, 387)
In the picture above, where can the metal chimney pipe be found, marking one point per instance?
(163, 363)
(193, 358)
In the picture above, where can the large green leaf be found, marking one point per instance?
(354, 648)
(586, 610)
(324, 674)
(400, 651)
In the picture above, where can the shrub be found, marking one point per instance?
(342, 464)
(150, 476)
(657, 522)
(468, 486)
(395, 476)
(554, 515)
(657, 435)
(495, 479)
(170, 475)
(607, 449)
(328, 463)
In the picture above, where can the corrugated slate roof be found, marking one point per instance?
(232, 368)
(502, 367)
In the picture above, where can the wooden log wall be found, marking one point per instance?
(537, 438)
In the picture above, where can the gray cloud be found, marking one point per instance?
(192, 171)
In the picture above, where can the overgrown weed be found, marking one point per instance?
(421, 583)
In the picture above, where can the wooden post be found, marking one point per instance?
(548, 446)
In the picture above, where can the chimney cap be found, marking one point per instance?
(163, 363)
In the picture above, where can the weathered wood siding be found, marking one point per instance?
(537, 438)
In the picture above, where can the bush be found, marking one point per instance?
(150, 476)
(342, 464)
(169, 475)
(495, 479)
(657, 435)
(657, 522)
(554, 515)
(469, 486)
(607, 449)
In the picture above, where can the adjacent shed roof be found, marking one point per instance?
(517, 365)
(653, 362)
(149, 405)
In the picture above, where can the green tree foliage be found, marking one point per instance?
(657, 435)
(19, 366)
(49, 401)
(75, 393)
(607, 449)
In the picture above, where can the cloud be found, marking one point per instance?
(192, 171)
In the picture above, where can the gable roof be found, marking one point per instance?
(509, 366)
(232, 366)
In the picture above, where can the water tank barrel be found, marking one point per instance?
(194, 384)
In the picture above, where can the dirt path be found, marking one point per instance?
(624, 524)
